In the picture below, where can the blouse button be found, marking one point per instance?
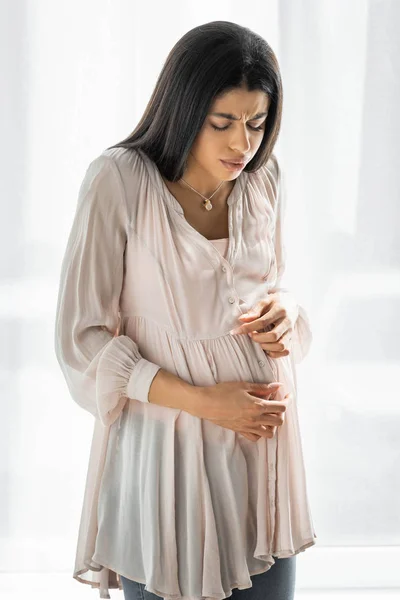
(224, 269)
(231, 300)
(261, 363)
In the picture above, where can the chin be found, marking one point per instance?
(231, 176)
(226, 175)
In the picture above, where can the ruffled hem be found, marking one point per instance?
(241, 585)
(106, 579)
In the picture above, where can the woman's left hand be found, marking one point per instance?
(256, 430)
(271, 323)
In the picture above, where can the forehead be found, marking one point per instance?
(241, 102)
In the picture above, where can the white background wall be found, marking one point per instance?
(76, 77)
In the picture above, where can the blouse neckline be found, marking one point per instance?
(235, 193)
(178, 212)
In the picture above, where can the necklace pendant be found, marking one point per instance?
(208, 205)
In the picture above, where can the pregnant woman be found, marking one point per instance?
(174, 331)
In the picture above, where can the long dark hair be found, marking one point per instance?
(206, 62)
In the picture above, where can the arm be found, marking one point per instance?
(103, 369)
(302, 335)
(169, 390)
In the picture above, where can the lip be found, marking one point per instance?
(233, 166)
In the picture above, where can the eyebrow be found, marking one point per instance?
(233, 118)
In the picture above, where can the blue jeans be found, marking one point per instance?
(278, 583)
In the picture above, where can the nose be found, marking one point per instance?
(240, 140)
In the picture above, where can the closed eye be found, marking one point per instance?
(260, 128)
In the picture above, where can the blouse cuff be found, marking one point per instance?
(122, 374)
(141, 379)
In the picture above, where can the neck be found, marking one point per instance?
(206, 187)
(201, 180)
(209, 197)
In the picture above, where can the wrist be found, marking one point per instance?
(198, 400)
(171, 391)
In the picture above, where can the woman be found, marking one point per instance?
(196, 485)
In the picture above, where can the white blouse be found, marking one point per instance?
(221, 245)
(179, 503)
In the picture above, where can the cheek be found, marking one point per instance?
(255, 144)
(206, 146)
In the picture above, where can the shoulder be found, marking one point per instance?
(107, 178)
(271, 172)
(129, 162)
(116, 172)
(267, 178)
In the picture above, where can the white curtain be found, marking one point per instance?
(76, 79)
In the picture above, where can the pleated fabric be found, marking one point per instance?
(185, 506)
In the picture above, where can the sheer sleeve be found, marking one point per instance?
(102, 368)
(302, 335)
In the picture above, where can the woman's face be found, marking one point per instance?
(233, 130)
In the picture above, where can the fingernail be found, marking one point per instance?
(236, 330)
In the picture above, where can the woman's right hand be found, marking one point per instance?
(245, 407)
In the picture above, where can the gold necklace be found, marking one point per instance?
(206, 201)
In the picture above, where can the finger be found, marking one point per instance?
(269, 428)
(271, 423)
(264, 397)
(263, 390)
(275, 393)
(265, 433)
(272, 420)
(257, 427)
(272, 430)
(288, 398)
(264, 338)
(260, 387)
(273, 406)
(255, 325)
(268, 403)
